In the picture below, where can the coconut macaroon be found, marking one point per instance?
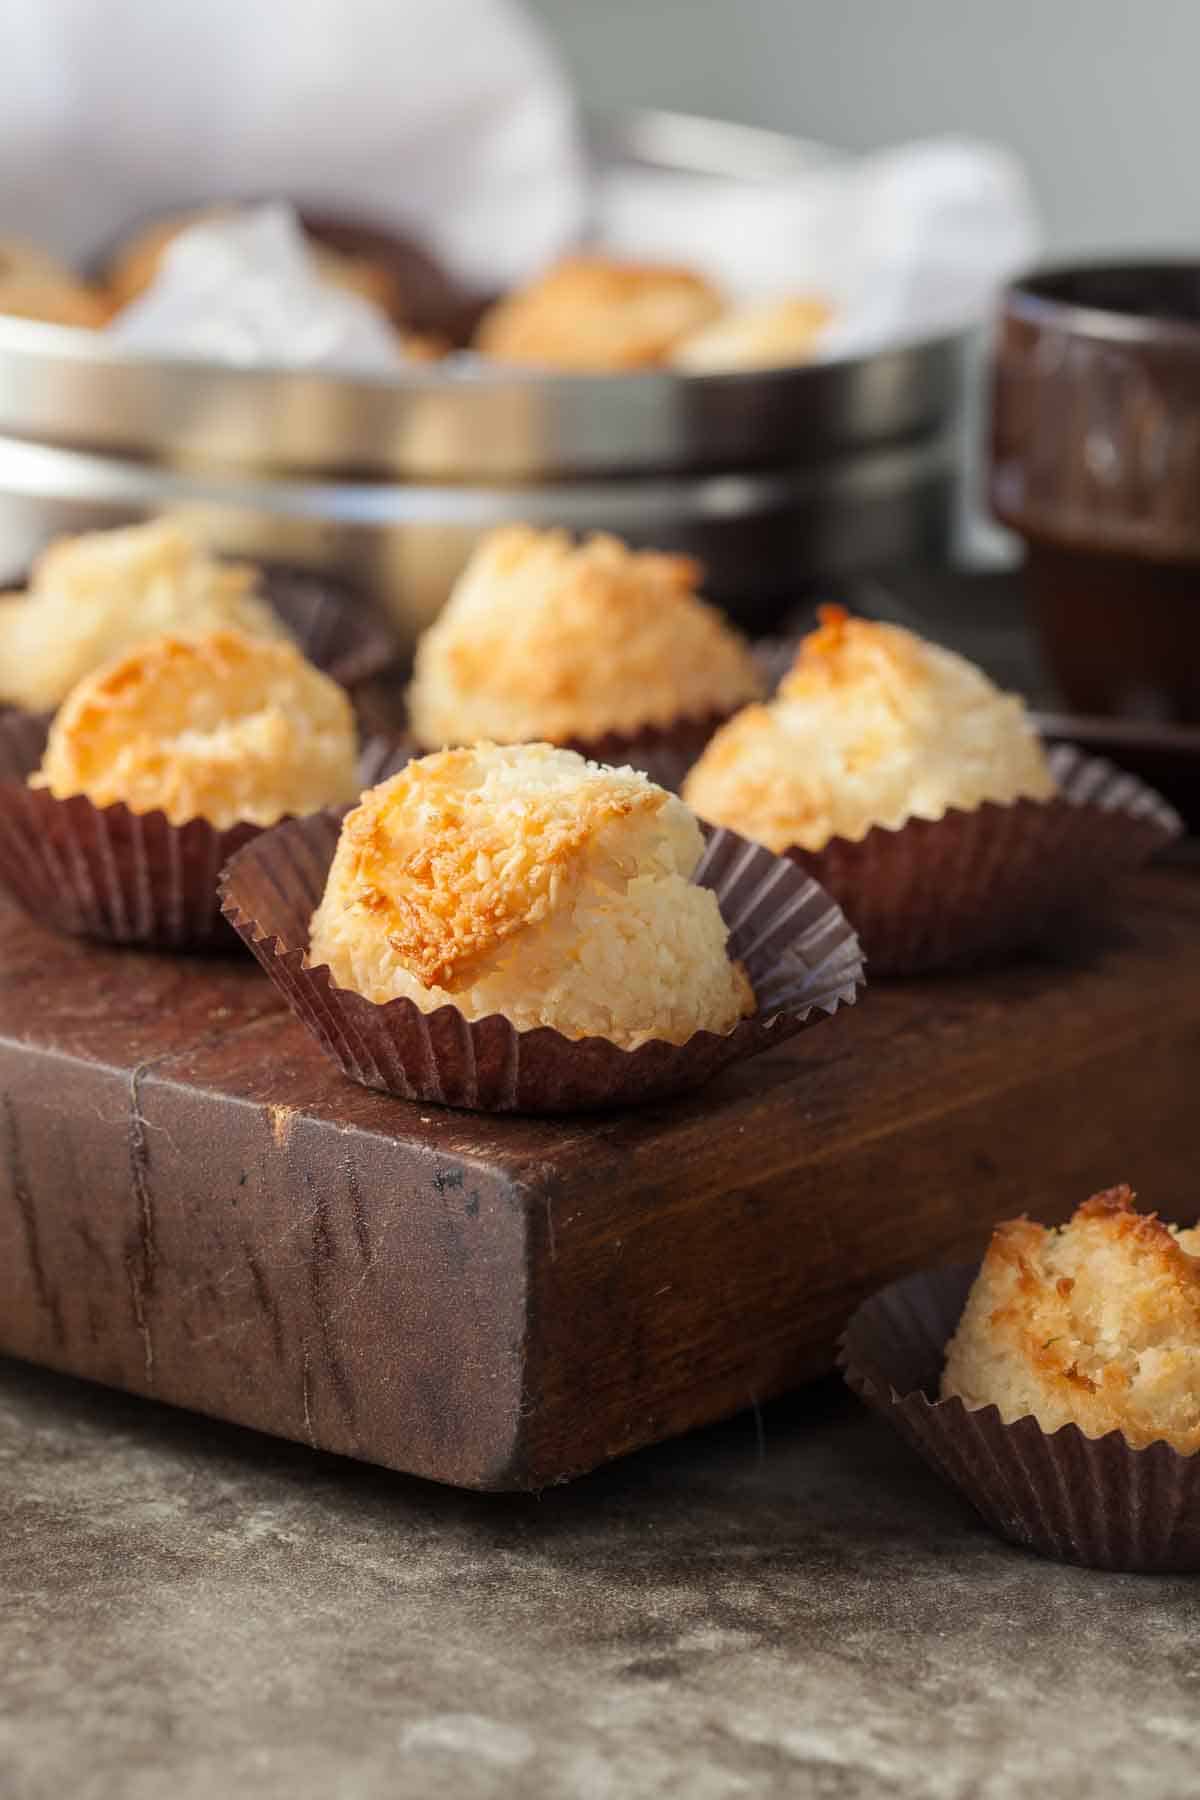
(767, 335)
(544, 638)
(92, 596)
(35, 285)
(526, 881)
(872, 726)
(1096, 1323)
(223, 727)
(592, 314)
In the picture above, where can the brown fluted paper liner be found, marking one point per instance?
(336, 628)
(1094, 1501)
(941, 893)
(801, 956)
(116, 875)
(663, 752)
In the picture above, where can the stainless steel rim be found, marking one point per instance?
(53, 386)
(49, 472)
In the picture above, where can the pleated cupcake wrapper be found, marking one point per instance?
(337, 629)
(116, 875)
(663, 752)
(1094, 1501)
(112, 874)
(801, 955)
(941, 893)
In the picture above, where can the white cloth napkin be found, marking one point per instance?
(245, 290)
(906, 243)
(447, 118)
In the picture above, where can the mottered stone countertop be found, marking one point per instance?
(789, 1605)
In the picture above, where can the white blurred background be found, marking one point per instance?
(1097, 96)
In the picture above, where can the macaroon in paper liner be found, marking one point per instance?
(113, 874)
(942, 893)
(1094, 1501)
(663, 752)
(801, 956)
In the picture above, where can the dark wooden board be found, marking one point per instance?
(195, 1204)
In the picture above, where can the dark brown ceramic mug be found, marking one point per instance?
(1096, 463)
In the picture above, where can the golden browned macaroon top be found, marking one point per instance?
(771, 334)
(524, 881)
(452, 873)
(872, 726)
(546, 638)
(595, 314)
(1096, 1323)
(222, 727)
(844, 653)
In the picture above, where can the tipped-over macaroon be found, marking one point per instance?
(873, 726)
(543, 638)
(770, 334)
(525, 881)
(92, 596)
(593, 314)
(1096, 1323)
(222, 727)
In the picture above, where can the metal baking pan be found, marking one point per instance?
(776, 478)
(763, 536)
(66, 386)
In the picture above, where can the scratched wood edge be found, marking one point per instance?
(927, 1188)
(844, 1214)
(192, 1252)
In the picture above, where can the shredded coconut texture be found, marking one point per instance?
(872, 726)
(224, 728)
(93, 596)
(592, 314)
(1095, 1323)
(551, 640)
(528, 882)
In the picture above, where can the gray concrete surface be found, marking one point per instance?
(189, 1611)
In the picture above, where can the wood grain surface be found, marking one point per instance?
(195, 1204)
